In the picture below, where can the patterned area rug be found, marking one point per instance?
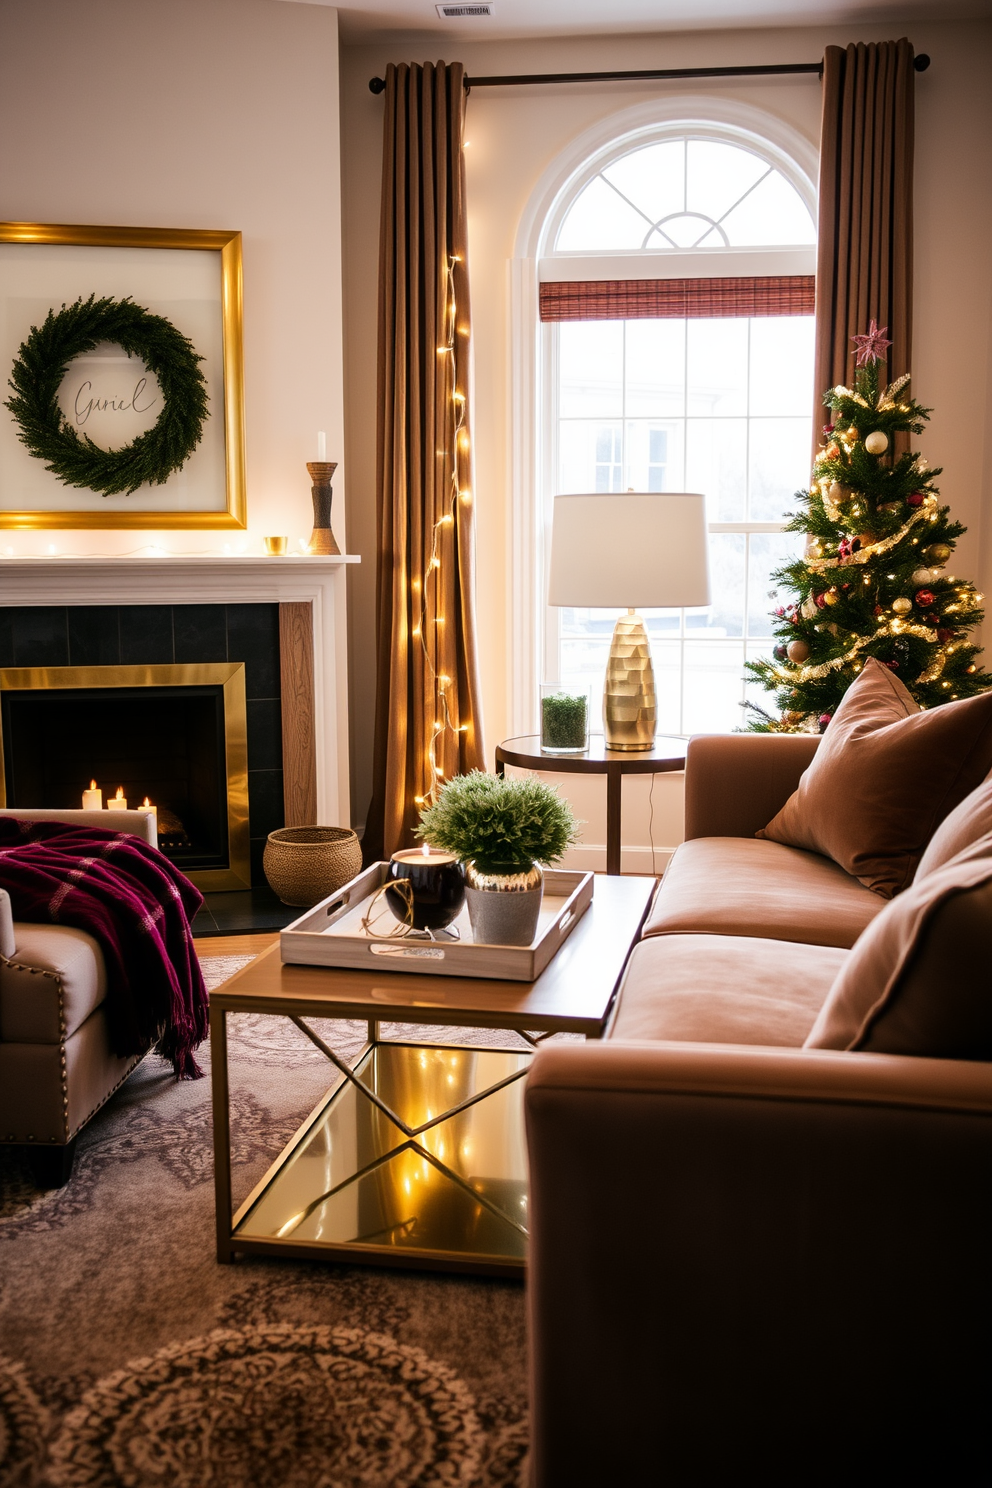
(129, 1357)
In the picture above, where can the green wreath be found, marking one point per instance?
(42, 363)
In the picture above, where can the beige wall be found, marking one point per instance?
(198, 114)
(514, 135)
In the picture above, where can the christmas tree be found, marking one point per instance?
(873, 580)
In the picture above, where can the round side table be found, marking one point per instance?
(667, 754)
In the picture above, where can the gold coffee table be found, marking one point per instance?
(417, 1157)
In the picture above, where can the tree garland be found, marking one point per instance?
(42, 363)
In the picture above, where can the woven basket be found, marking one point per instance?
(305, 864)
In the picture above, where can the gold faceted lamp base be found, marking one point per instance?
(322, 539)
(630, 701)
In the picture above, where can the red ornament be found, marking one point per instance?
(879, 610)
(824, 720)
(828, 428)
(916, 499)
(893, 666)
(944, 636)
(821, 600)
(924, 598)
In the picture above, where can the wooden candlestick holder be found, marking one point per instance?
(322, 539)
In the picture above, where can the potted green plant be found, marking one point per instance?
(503, 831)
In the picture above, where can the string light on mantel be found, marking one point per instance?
(428, 592)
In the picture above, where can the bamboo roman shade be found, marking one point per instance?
(677, 299)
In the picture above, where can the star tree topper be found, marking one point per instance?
(871, 348)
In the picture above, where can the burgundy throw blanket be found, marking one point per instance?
(132, 900)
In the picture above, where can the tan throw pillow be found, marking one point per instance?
(918, 979)
(967, 822)
(884, 777)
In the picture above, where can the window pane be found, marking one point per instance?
(716, 464)
(725, 616)
(655, 367)
(589, 456)
(667, 659)
(655, 455)
(778, 466)
(590, 368)
(716, 355)
(782, 364)
(773, 212)
(652, 178)
(712, 688)
(719, 175)
(600, 218)
(768, 551)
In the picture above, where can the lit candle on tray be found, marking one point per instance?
(93, 798)
(436, 889)
(118, 802)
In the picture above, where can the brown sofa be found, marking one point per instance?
(753, 1262)
(56, 1065)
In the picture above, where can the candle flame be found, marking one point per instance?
(120, 793)
(146, 802)
(92, 785)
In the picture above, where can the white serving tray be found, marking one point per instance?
(331, 933)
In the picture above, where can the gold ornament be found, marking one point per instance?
(877, 442)
(832, 597)
(923, 576)
(938, 553)
(797, 651)
(902, 606)
(814, 551)
(836, 493)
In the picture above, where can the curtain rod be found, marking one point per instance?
(377, 84)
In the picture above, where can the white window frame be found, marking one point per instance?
(531, 362)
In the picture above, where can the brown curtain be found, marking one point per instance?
(427, 725)
(864, 268)
(676, 299)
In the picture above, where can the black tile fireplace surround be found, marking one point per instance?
(123, 635)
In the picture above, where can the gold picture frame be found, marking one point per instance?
(210, 491)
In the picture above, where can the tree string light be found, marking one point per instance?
(444, 717)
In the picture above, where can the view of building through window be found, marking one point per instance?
(721, 406)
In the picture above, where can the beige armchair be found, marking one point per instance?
(56, 1065)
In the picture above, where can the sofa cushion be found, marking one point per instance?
(918, 981)
(50, 986)
(884, 777)
(739, 886)
(969, 821)
(724, 989)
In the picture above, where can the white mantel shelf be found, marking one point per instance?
(213, 578)
(221, 579)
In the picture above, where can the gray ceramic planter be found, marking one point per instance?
(503, 907)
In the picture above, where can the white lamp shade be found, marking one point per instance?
(630, 551)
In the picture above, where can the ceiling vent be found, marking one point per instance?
(456, 12)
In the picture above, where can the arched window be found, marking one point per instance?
(676, 297)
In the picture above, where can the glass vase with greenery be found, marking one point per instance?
(564, 720)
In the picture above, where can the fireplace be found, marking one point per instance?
(175, 735)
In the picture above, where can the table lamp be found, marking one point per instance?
(615, 550)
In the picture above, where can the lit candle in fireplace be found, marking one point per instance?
(118, 802)
(93, 798)
(146, 805)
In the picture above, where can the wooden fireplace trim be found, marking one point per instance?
(299, 733)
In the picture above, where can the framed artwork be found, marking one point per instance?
(122, 401)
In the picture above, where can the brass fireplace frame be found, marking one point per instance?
(230, 675)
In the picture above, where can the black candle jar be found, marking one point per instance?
(433, 888)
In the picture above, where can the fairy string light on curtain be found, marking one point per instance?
(441, 721)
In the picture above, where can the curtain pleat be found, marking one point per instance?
(864, 265)
(427, 725)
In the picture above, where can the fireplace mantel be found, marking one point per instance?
(222, 579)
